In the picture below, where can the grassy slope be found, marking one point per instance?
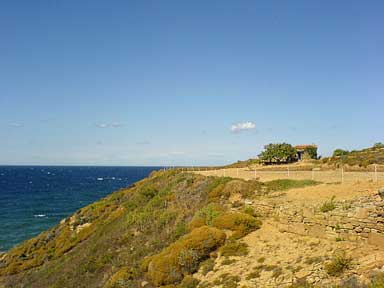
(123, 229)
(362, 158)
(126, 226)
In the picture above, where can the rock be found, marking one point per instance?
(144, 283)
(248, 202)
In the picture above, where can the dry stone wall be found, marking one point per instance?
(361, 219)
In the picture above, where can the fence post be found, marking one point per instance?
(342, 175)
(376, 178)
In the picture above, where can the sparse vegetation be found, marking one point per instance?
(184, 256)
(286, 184)
(227, 281)
(228, 261)
(361, 158)
(328, 206)
(253, 275)
(261, 260)
(377, 281)
(234, 249)
(313, 260)
(207, 266)
(240, 223)
(188, 282)
(339, 263)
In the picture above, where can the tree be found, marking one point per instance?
(311, 151)
(378, 145)
(340, 152)
(278, 153)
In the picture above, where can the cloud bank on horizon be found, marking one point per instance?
(242, 126)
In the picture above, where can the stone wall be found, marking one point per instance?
(359, 220)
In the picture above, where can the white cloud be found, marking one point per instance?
(17, 124)
(115, 124)
(242, 126)
(109, 125)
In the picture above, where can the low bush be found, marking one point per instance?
(234, 249)
(206, 215)
(253, 275)
(227, 281)
(183, 257)
(339, 263)
(188, 282)
(122, 278)
(207, 266)
(240, 223)
(328, 205)
(377, 281)
(250, 211)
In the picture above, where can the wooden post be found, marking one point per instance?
(342, 175)
(376, 178)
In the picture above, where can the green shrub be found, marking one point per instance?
(227, 281)
(228, 261)
(183, 256)
(377, 281)
(286, 184)
(339, 263)
(253, 275)
(189, 282)
(207, 266)
(261, 260)
(206, 215)
(234, 249)
(250, 211)
(240, 223)
(339, 153)
(328, 205)
(122, 278)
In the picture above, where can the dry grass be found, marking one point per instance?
(329, 176)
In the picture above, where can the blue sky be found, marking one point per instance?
(186, 82)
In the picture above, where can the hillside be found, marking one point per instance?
(184, 230)
(361, 158)
(104, 244)
(354, 160)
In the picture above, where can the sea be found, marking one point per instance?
(35, 198)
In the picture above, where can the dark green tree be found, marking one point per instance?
(340, 152)
(278, 153)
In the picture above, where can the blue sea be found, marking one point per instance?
(35, 198)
